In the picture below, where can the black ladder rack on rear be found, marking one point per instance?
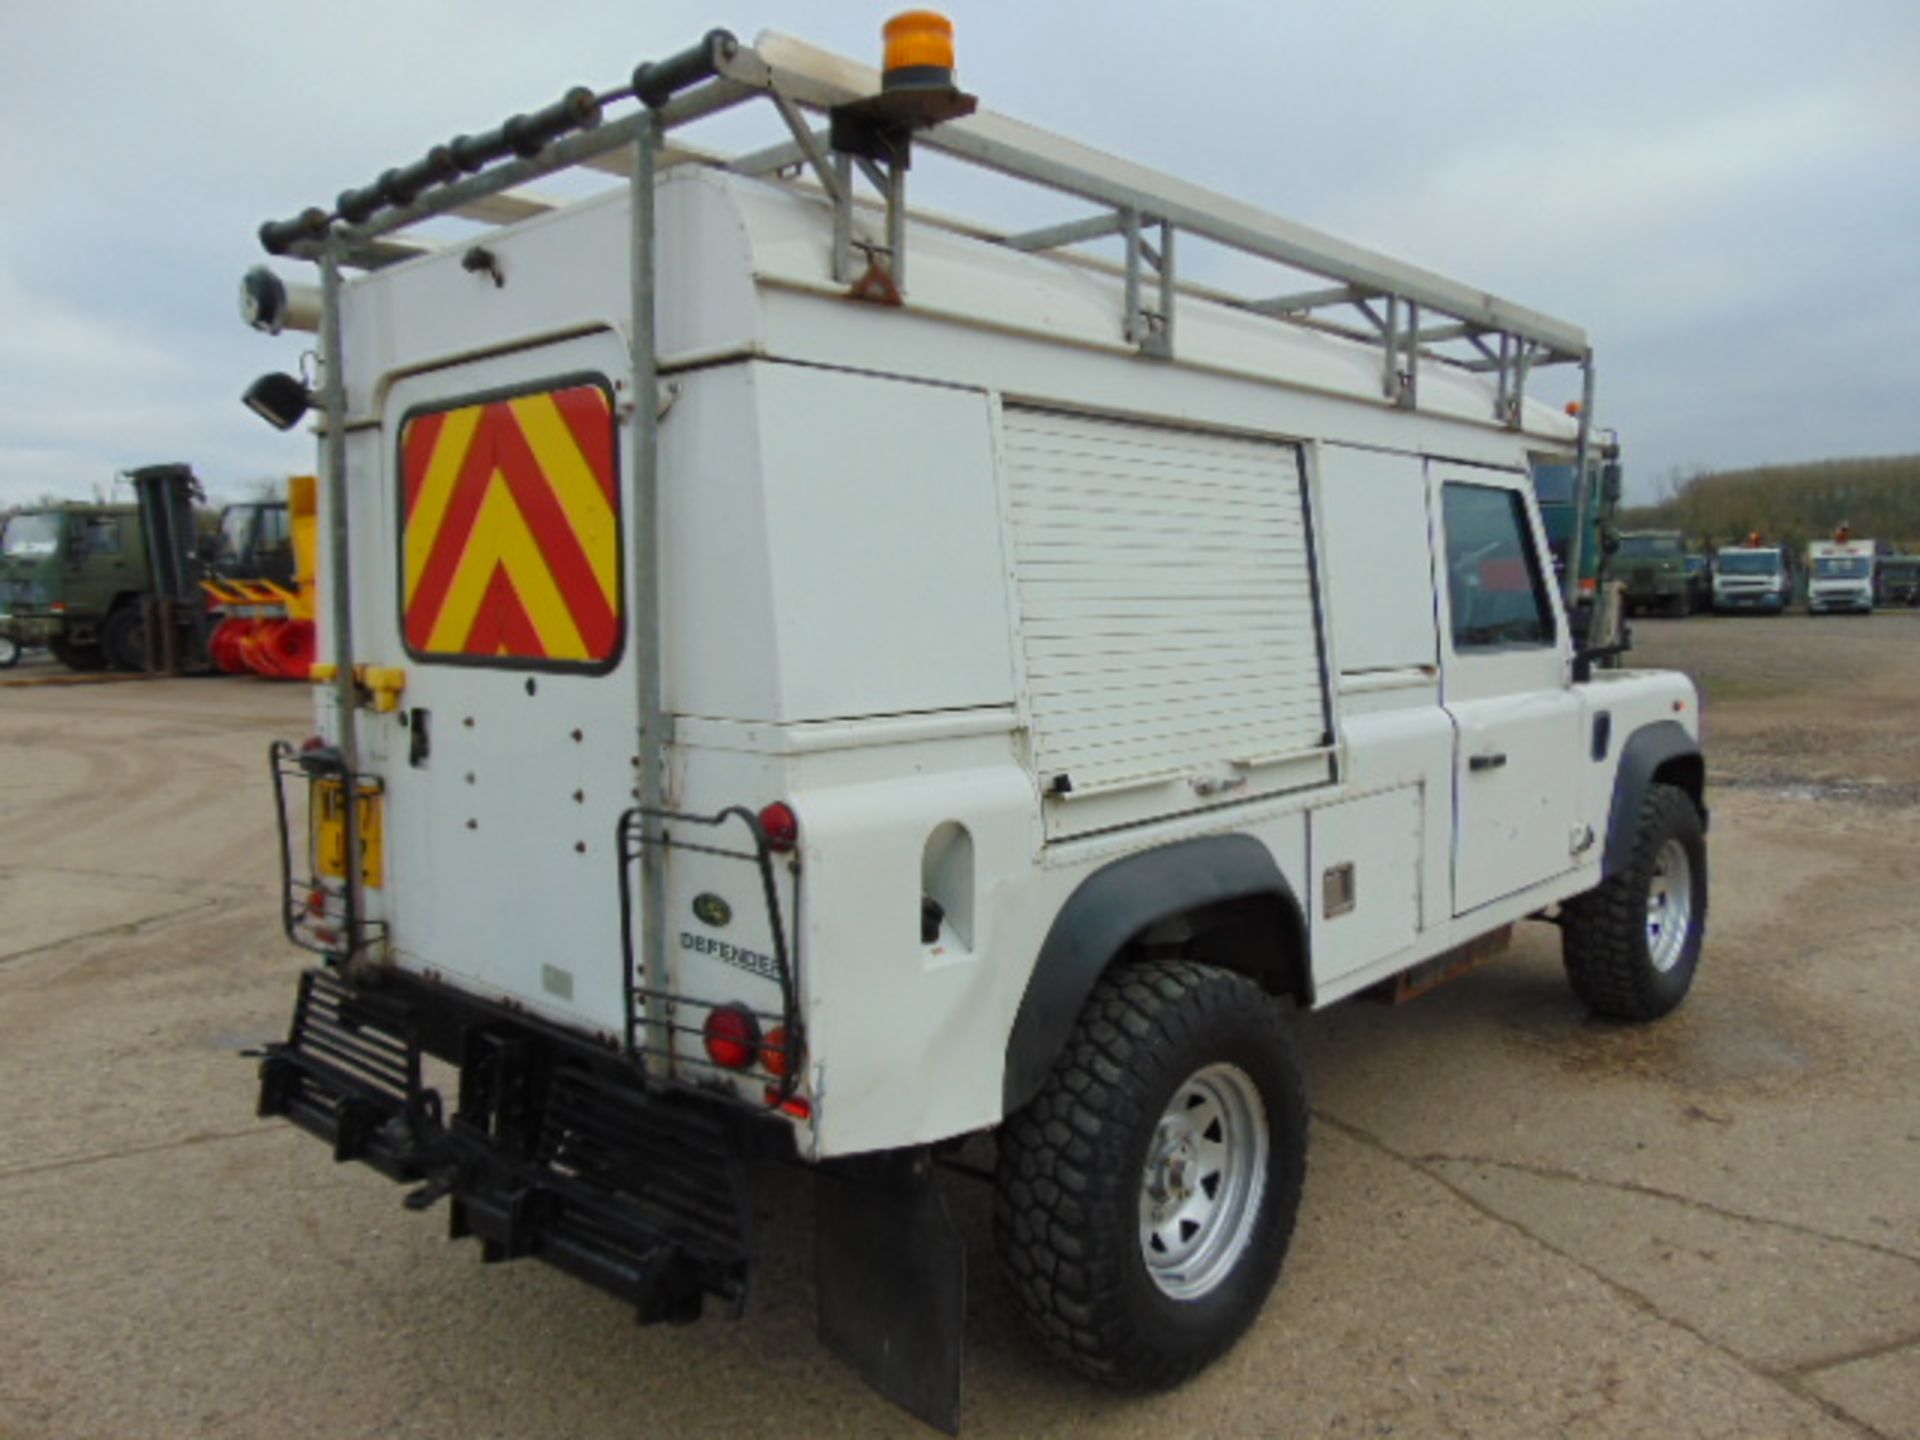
(665, 1010)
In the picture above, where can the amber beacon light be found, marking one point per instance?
(919, 51)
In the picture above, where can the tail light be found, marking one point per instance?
(780, 826)
(777, 1057)
(732, 1037)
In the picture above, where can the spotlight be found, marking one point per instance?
(278, 399)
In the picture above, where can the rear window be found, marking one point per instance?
(510, 529)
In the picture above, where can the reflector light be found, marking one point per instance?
(732, 1037)
(781, 826)
(797, 1106)
(775, 1056)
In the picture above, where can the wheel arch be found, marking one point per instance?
(1662, 753)
(1222, 896)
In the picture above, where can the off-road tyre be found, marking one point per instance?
(124, 638)
(1072, 1168)
(82, 658)
(1605, 935)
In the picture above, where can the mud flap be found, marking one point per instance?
(890, 1274)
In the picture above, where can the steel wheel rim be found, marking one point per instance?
(1203, 1181)
(1669, 905)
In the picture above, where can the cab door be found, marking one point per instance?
(1507, 684)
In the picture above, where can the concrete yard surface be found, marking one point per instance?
(1519, 1221)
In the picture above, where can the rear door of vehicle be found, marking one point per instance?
(513, 757)
(1508, 688)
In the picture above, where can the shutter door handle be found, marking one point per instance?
(1487, 762)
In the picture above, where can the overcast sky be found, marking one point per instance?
(1726, 195)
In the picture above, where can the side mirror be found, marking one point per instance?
(1610, 482)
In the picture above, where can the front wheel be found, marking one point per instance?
(1631, 947)
(9, 652)
(1147, 1195)
(84, 659)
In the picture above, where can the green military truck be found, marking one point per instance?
(72, 577)
(1652, 564)
(78, 579)
(1899, 577)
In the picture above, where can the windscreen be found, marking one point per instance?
(1749, 562)
(32, 536)
(236, 524)
(1642, 546)
(1842, 567)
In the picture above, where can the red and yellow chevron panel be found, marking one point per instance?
(510, 536)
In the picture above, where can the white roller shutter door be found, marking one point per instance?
(1166, 592)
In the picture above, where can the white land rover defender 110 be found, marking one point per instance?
(809, 681)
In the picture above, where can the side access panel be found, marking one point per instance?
(1366, 864)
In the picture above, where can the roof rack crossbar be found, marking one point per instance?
(1073, 232)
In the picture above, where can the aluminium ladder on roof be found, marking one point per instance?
(1413, 315)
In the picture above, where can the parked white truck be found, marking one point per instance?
(1840, 574)
(1753, 576)
(809, 681)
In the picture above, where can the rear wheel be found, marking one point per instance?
(124, 638)
(1631, 947)
(1148, 1193)
(9, 652)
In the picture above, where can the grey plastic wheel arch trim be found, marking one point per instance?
(1646, 750)
(1108, 909)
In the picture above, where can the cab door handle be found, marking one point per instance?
(1486, 762)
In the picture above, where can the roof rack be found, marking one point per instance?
(1415, 317)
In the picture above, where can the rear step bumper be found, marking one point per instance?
(553, 1151)
(559, 1150)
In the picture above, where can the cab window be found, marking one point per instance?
(100, 535)
(1494, 579)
